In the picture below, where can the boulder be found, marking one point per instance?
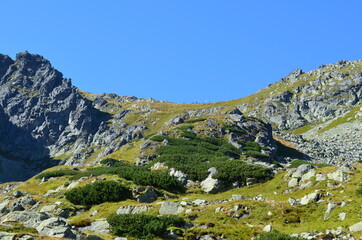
(308, 175)
(342, 216)
(4, 207)
(144, 194)
(356, 227)
(181, 176)
(18, 194)
(312, 197)
(170, 208)
(338, 175)
(293, 201)
(21, 204)
(293, 182)
(237, 197)
(211, 185)
(320, 177)
(26, 237)
(251, 181)
(301, 170)
(7, 236)
(177, 120)
(330, 207)
(30, 219)
(100, 226)
(129, 209)
(199, 202)
(268, 228)
(48, 208)
(56, 227)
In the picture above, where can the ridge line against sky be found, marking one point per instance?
(182, 51)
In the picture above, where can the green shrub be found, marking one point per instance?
(57, 173)
(138, 175)
(233, 170)
(251, 146)
(195, 120)
(159, 138)
(188, 134)
(185, 127)
(195, 166)
(142, 226)
(359, 190)
(195, 156)
(97, 193)
(234, 128)
(255, 153)
(153, 178)
(275, 235)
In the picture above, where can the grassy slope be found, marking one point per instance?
(311, 216)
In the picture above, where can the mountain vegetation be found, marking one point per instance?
(283, 163)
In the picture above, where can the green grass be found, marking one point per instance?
(185, 127)
(297, 163)
(304, 129)
(195, 120)
(17, 228)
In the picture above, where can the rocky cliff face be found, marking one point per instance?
(322, 108)
(301, 98)
(42, 116)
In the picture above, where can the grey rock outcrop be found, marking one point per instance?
(30, 219)
(43, 116)
(330, 207)
(356, 227)
(7, 236)
(329, 93)
(339, 175)
(181, 176)
(144, 194)
(168, 208)
(130, 209)
(211, 185)
(56, 227)
(312, 197)
(100, 226)
(22, 203)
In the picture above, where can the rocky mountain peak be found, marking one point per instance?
(32, 72)
(5, 62)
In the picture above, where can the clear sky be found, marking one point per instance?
(182, 51)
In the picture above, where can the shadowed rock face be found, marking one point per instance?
(41, 112)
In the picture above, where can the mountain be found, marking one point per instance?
(285, 158)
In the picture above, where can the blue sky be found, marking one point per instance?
(182, 51)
